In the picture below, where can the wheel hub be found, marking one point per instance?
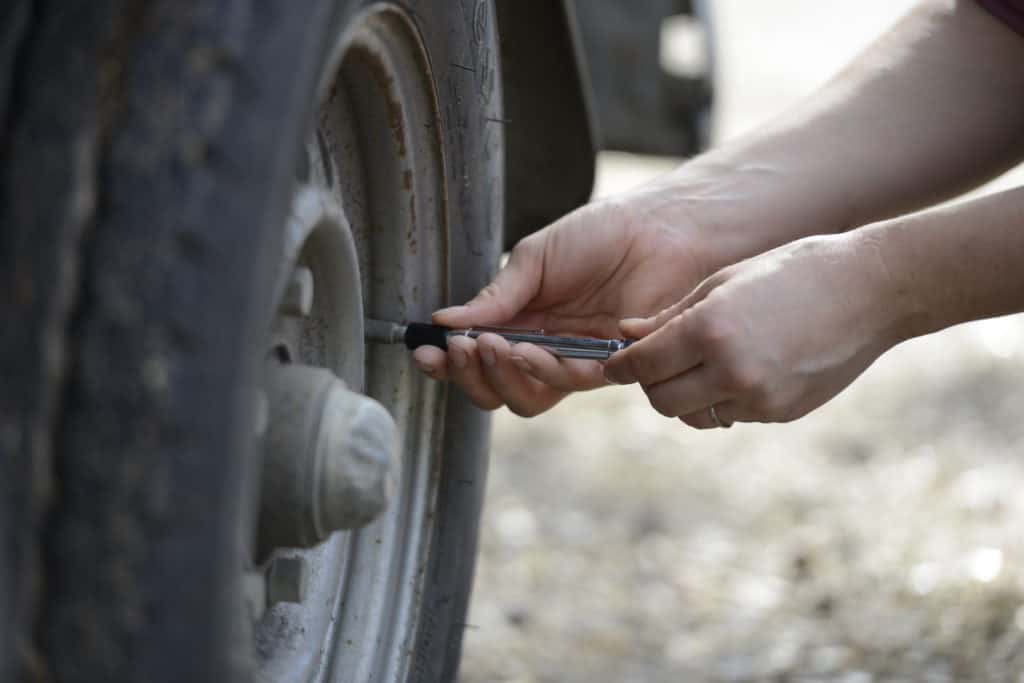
(329, 458)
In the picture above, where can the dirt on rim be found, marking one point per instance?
(878, 539)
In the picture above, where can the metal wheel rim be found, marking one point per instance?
(374, 191)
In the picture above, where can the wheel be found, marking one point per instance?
(218, 194)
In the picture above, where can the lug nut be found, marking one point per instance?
(254, 592)
(298, 295)
(286, 580)
(329, 459)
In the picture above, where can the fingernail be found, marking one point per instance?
(488, 356)
(424, 368)
(459, 357)
(521, 363)
(633, 321)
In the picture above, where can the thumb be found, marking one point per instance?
(512, 289)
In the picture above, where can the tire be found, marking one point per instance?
(149, 155)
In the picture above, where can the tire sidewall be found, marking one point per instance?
(195, 145)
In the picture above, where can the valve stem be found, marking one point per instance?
(384, 331)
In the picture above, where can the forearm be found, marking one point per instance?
(952, 264)
(929, 111)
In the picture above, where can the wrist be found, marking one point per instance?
(901, 313)
(954, 264)
(739, 208)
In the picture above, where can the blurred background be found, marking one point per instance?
(878, 539)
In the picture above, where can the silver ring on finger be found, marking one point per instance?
(719, 422)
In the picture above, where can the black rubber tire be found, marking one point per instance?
(148, 150)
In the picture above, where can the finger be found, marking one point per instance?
(464, 369)
(513, 287)
(702, 419)
(668, 351)
(432, 361)
(638, 328)
(523, 395)
(690, 392)
(563, 374)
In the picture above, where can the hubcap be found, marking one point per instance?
(328, 460)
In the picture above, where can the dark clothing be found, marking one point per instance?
(1010, 12)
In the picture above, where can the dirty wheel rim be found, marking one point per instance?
(368, 222)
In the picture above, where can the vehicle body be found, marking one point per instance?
(200, 202)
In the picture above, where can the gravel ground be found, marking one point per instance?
(877, 539)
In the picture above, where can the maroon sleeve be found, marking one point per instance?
(1010, 12)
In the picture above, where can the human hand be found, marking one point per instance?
(768, 339)
(629, 256)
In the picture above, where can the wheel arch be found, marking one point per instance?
(549, 127)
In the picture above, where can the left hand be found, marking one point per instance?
(768, 339)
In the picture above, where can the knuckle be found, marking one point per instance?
(558, 383)
(609, 210)
(662, 404)
(488, 405)
(642, 366)
(493, 296)
(490, 291)
(525, 250)
(486, 402)
(675, 324)
(737, 379)
(523, 409)
(696, 321)
(763, 404)
(713, 331)
(588, 377)
(691, 421)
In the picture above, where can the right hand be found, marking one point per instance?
(629, 256)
